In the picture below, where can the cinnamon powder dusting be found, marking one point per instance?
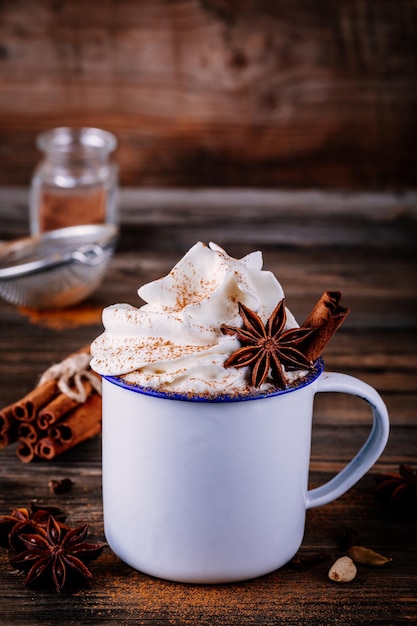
(192, 291)
(188, 605)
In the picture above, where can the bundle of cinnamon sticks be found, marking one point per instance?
(47, 422)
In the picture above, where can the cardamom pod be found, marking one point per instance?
(365, 556)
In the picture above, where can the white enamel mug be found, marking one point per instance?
(216, 491)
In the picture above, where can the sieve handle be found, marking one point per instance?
(90, 254)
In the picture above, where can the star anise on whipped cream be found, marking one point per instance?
(266, 348)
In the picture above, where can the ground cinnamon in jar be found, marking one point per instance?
(60, 209)
(76, 182)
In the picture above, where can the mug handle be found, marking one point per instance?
(370, 451)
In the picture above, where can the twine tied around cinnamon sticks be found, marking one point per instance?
(63, 410)
(75, 368)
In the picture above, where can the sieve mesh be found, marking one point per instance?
(77, 258)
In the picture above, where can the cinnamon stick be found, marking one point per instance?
(25, 410)
(84, 418)
(28, 432)
(48, 448)
(325, 318)
(6, 418)
(8, 426)
(7, 437)
(81, 424)
(59, 406)
(25, 451)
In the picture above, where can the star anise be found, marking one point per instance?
(22, 521)
(399, 488)
(267, 347)
(56, 553)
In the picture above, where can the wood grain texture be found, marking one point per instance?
(217, 92)
(378, 343)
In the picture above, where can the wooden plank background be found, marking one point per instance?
(256, 93)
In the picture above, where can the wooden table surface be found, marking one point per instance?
(362, 244)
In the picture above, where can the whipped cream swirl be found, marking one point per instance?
(174, 342)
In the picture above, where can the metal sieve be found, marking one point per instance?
(56, 269)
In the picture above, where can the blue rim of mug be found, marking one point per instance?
(171, 395)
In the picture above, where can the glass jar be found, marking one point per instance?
(75, 183)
